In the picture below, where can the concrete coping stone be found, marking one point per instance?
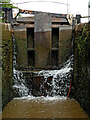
(65, 27)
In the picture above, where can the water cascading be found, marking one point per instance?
(19, 83)
(55, 82)
(60, 79)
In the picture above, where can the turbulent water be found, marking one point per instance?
(60, 78)
(58, 85)
(19, 83)
(50, 87)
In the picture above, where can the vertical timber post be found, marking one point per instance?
(42, 40)
(65, 33)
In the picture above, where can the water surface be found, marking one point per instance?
(41, 107)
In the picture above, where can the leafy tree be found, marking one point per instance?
(6, 5)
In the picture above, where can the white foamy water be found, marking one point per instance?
(57, 86)
(42, 99)
(60, 78)
(19, 83)
(60, 81)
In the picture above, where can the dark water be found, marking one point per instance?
(43, 107)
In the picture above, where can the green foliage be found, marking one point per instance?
(5, 1)
(81, 43)
(6, 5)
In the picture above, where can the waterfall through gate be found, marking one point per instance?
(54, 82)
(60, 79)
(19, 83)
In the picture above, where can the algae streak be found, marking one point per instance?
(7, 53)
(82, 66)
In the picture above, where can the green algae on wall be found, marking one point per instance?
(81, 80)
(7, 56)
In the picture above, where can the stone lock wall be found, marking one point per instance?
(0, 68)
(7, 59)
(81, 78)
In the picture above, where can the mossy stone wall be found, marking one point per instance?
(81, 79)
(0, 68)
(7, 57)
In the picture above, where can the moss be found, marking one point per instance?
(7, 81)
(81, 76)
